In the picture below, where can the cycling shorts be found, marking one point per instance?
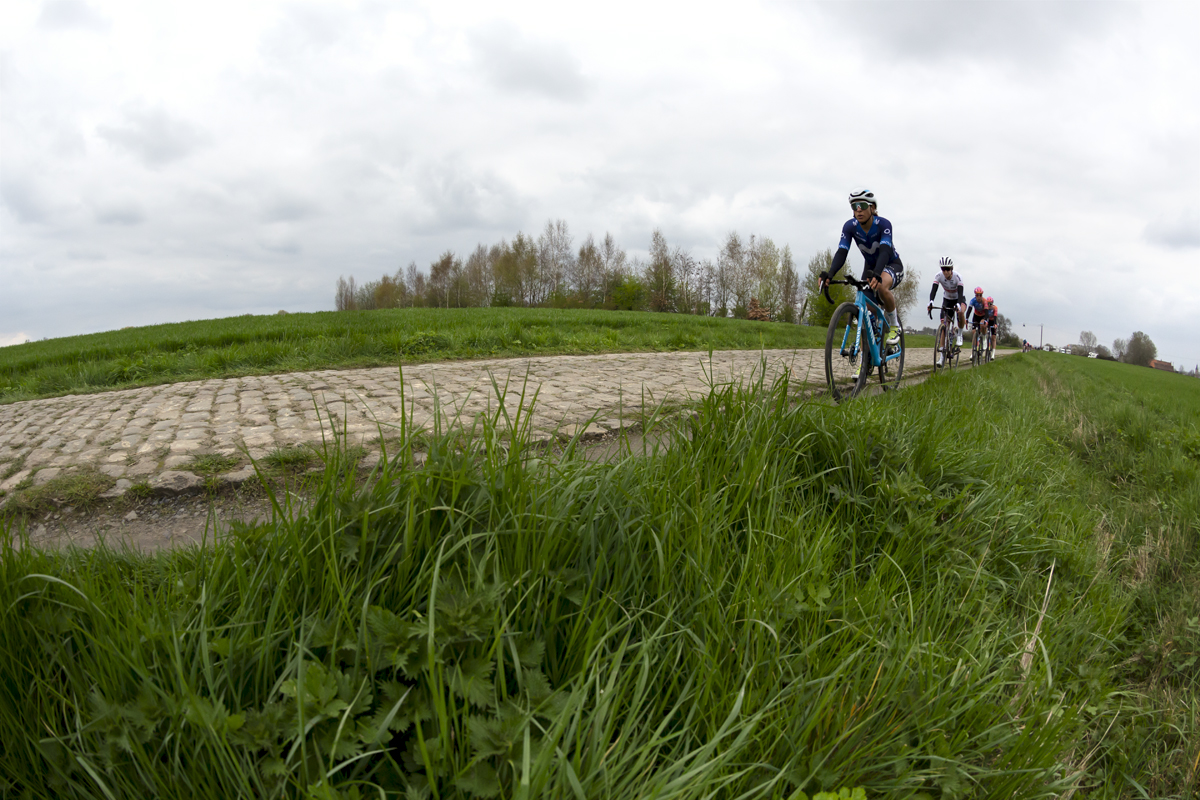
(897, 273)
(949, 307)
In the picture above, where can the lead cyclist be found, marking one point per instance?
(882, 268)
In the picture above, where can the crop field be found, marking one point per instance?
(983, 586)
(260, 345)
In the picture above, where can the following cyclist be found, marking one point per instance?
(882, 269)
(977, 311)
(954, 294)
(993, 321)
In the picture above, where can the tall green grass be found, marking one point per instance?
(280, 343)
(938, 593)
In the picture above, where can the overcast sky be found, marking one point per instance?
(169, 161)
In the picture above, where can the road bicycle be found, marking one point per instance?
(944, 345)
(854, 346)
(979, 345)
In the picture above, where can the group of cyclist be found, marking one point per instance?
(883, 271)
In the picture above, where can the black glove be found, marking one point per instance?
(824, 275)
(868, 276)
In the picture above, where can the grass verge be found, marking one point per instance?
(788, 599)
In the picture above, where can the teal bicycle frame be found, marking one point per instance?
(871, 315)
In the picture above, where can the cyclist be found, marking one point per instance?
(882, 268)
(993, 321)
(977, 309)
(977, 313)
(954, 294)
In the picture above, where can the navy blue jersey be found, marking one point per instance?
(869, 241)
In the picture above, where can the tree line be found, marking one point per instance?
(549, 271)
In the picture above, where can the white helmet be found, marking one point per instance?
(859, 195)
(945, 261)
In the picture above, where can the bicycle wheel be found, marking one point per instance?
(976, 350)
(939, 348)
(890, 371)
(846, 355)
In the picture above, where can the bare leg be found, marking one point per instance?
(883, 288)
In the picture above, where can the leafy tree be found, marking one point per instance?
(1141, 350)
(629, 294)
(816, 310)
(1004, 332)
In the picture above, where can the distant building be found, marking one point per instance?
(1163, 365)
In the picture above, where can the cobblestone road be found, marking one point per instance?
(154, 434)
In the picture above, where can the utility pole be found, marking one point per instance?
(1040, 326)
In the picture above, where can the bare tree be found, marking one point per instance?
(789, 286)
(763, 263)
(344, 299)
(906, 293)
(1088, 341)
(479, 277)
(438, 287)
(612, 259)
(554, 258)
(707, 286)
(1120, 347)
(732, 258)
(660, 277)
(590, 273)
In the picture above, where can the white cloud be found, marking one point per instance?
(7, 339)
(154, 137)
(68, 15)
(1180, 233)
(513, 62)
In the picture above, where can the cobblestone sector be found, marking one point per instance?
(153, 434)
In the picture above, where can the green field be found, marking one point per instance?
(984, 586)
(250, 345)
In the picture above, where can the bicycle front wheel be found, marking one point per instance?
(941, 353)
(847, 359)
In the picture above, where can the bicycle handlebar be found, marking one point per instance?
(849, 281)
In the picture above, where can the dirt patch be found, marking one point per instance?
(147, 525)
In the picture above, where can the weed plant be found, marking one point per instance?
(257, 345)
(787, 599)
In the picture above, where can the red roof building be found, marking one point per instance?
(1163, 365)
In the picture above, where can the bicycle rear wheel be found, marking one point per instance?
(847, 357)
(891, 371)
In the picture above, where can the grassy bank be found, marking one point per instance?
(988, 602)
(330, 340)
